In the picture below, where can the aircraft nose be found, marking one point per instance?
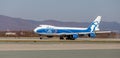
(35, 30)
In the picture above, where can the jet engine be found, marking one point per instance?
(75, 36)
(92, 35)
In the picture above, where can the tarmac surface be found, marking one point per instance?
(54, 48)
(94, 53)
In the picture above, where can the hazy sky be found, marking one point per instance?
(62, 10)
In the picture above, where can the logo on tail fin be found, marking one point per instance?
(95, 24)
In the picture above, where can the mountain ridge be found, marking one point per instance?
(17, 24)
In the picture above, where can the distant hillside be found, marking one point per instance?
(10, 23)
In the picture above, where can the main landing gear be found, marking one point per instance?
(40, 37)
(68, 37)
(61, 37)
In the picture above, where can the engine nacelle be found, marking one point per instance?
(92, 35)
(75, 36)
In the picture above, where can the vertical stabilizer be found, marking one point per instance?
(94, 25)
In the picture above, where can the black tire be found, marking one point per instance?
(40, 38)
(67, 39)
(61, 38)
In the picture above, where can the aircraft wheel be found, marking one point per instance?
(67, 38)
(61, 38)
(40, 38)
(72, 39)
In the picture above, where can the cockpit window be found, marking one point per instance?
(46, 26)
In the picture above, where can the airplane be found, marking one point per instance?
(70, 33)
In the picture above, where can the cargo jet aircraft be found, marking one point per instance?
(70, 33)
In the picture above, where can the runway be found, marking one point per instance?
(55, 48)
(25, 43)
(101, 53)
(36, 39)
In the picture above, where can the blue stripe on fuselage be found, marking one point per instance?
(60, 31)
(69, 31)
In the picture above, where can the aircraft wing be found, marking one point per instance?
(103, 32)
(95, 32)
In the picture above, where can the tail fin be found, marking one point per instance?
(94, 25)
